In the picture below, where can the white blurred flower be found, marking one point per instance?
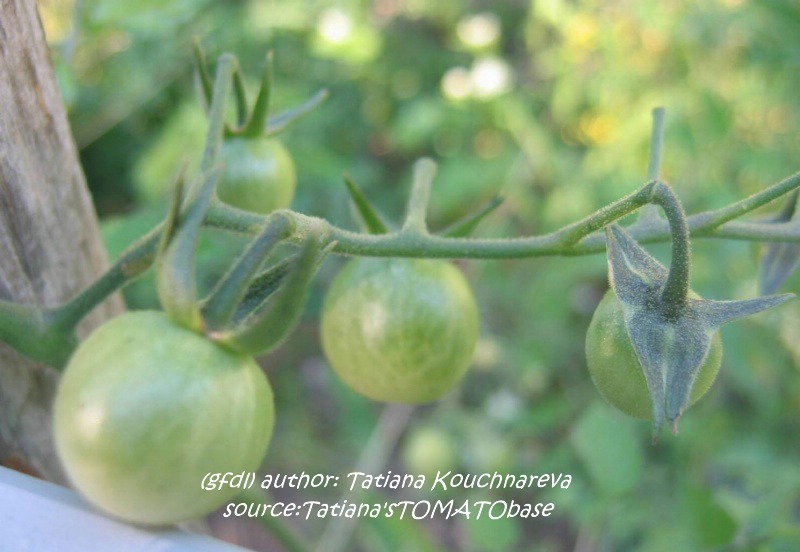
(457, 83)
(479, 30)
(491, 76)
(335, 26)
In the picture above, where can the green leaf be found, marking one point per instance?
(607, 443)
(711, 524)
(491, 535)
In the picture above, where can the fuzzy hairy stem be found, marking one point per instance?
(576, 239)
(676, 289)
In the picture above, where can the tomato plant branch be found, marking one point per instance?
(656, 144)
(226, 67)
(710, 220)
(649, 213)
(577, 239)
(374, 456)
(424, 171)
(281, 531)
(56, 326)
(676, 289)
(133, 262)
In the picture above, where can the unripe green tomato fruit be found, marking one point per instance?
(429, 450)
(146, 408)
(614, 366)
(258, 175)
(400, 330)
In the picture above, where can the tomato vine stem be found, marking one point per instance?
(676, 288)
(424, 172)
(649, 213)
(577, 239)
(582, 237)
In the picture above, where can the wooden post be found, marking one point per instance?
(50, 246)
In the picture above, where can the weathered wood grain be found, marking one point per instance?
(49, 241)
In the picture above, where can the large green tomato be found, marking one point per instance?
(400, 330)
(259, 174)
(146, 409)
(615, 369)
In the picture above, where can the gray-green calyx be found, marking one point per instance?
(671, 338)
(779, 260)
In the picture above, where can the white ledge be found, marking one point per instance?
(36, 515)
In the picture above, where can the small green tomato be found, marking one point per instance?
(145, 409)
(259, 174)
(428, 450)
(615, 369)
(400, 330)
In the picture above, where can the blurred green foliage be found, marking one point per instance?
(548, 103)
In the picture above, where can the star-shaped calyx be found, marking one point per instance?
(671, 331)
(780, 260)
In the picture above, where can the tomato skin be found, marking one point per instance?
(615, 369)
(259, 174)
(145, 409)
(399, 330)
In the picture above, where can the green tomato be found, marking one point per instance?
(400, 330)
(615, 369)
(145, 409)
(259, 174)
(429, 450)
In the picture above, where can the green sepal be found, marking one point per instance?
(670, 346)
(261, 287)
(780, 260)
(269, 324)
(26, 330)
(258, 118)
(175, 260)
(267, 282)
(221, 304)
(281, 121)
(466, 226)
(203, 76)
(240, 95)
(368, 215)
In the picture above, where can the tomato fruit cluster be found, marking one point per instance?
(615, 369)
(259, 174)
(147, 408)
(400, 330)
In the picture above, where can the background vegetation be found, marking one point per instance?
(547, 103)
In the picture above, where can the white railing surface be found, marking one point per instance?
(39, 516)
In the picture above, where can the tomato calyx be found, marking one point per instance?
(247, 312)
(671, 334)
(255, 123)
(780, 260)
